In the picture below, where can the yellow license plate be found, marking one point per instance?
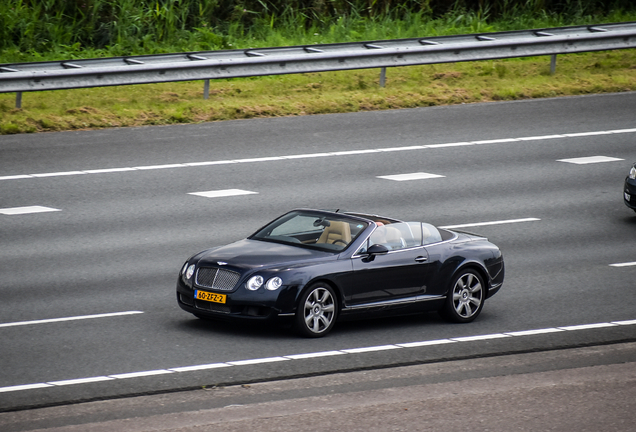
(208, 296)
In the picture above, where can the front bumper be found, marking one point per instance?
(238, 304)
(629, 193)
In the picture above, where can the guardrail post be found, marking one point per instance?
(553, 64)
(206, 89)
(382, 77)
(18, 100)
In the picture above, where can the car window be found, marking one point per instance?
(430, 234)
(402, 235)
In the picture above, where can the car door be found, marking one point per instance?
(397, 276)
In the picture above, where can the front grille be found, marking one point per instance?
(218, 279)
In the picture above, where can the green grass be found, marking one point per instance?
(44, 34)
(320, 93)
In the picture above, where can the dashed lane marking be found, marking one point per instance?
(74, 318)
(27, 210)
(501, 222)
(625, 264)
(412, 176)
(222, 193)
(317, 155)
(590, 160)
(351, 351)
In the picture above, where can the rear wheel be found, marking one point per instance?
(317, 311)
(466, 297)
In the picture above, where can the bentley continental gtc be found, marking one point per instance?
(316, 267)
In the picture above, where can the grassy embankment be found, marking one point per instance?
(336, 92)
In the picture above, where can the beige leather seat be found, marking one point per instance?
(336, 231)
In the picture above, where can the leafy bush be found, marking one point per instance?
(32, 27)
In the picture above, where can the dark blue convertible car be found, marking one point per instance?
(316, 267)
(629, 190)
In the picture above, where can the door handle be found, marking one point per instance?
(421, 259)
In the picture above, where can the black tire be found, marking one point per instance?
(317, 311)
(465, 298)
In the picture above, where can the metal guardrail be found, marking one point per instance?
(206, 65)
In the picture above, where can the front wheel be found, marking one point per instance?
(317, 311)
(465, 299)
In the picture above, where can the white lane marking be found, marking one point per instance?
(628, 322)
(314, 155)
(81, 381)
(540, 138)
(200, 367)
(625, 264)
(314, 355)
(534, 332)
(590, 160)
(407, 148)
(496, 141)
(24, 387)
(222, 193)
(583, 134)
(481, 337)
(262, 159)
(26, 210)
(426, 343)
(587, 326)
(501, 222)
(109, 170)
(16, 177)
(353, 152)
(156, 167)
(370, 349)
(411, 176)
(220, 162)
(257, 361)
(139, 374)
(305, 156)
(73, 318)
(58, 174)
(362, 350)
(456, 144)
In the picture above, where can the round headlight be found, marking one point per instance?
(254, 283)
(274, 283)
(190, 271)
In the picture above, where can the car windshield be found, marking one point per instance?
(329, 232)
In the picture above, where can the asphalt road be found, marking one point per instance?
(580, 389)
(117, 219)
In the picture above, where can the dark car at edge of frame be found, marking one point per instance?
(629, 190)
(316, 267)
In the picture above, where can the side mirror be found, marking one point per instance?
(374, 250)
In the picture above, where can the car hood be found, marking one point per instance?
(250, 254)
